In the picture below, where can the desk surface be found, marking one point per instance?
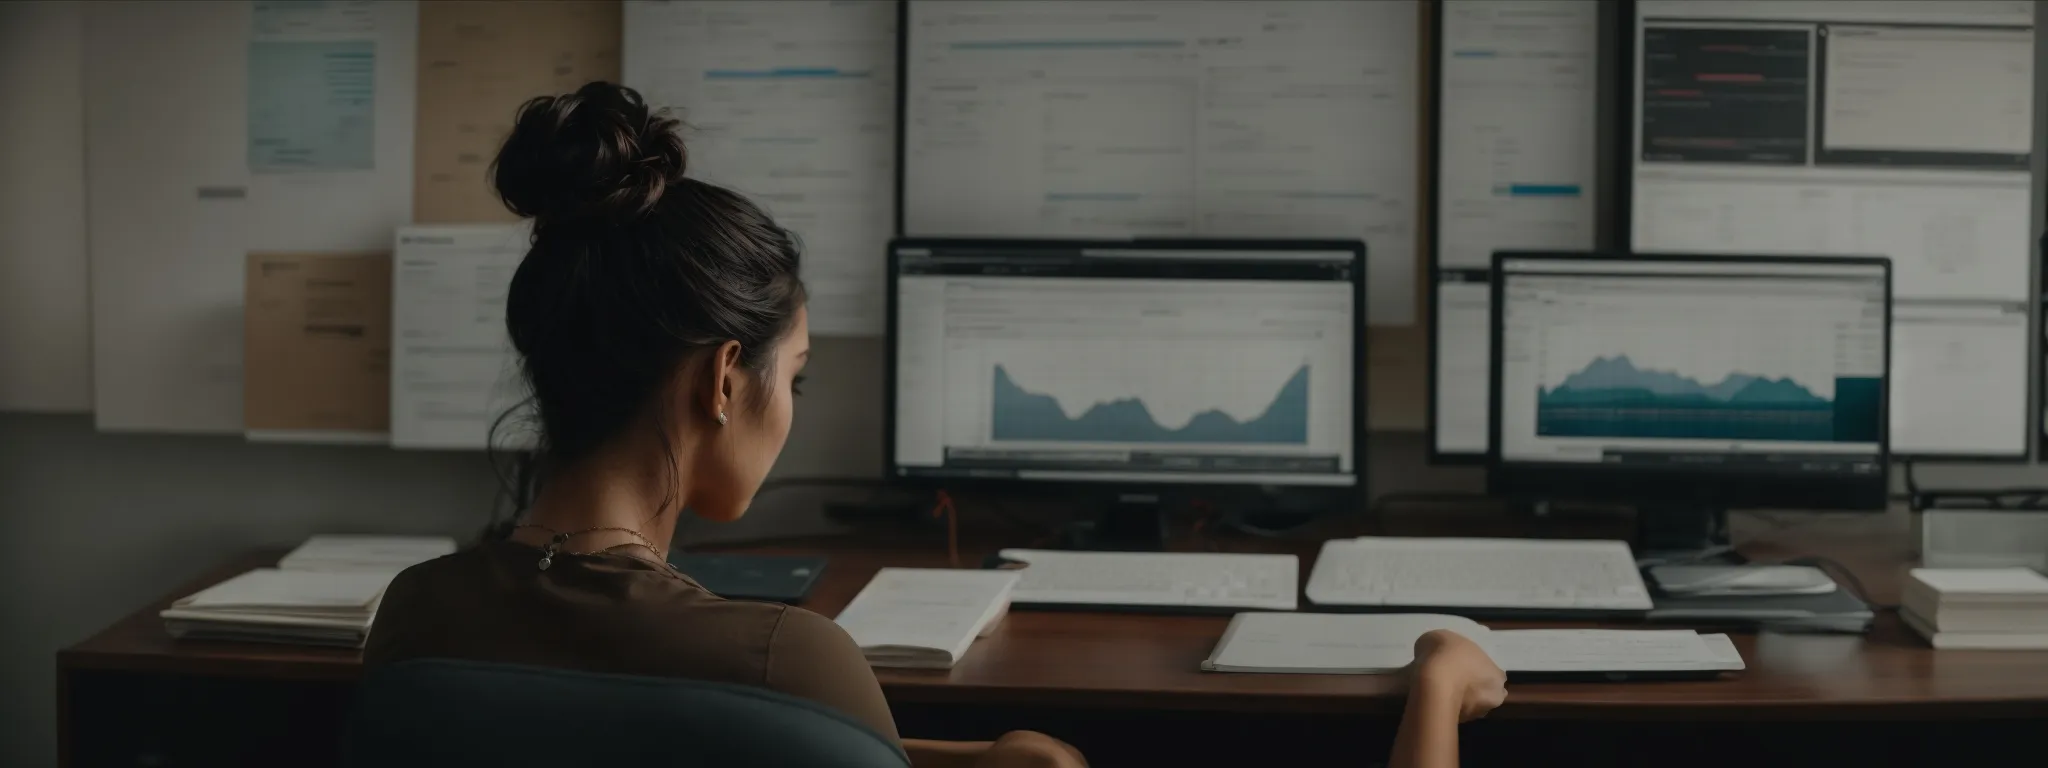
(1123, 661)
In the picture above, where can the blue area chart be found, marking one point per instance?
(1611, 397)
(1021, 414)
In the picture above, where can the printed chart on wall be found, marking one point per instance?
(1186, 119)
(792, 104)
(1517, 161)
(1861, 128)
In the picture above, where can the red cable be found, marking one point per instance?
(952, 513)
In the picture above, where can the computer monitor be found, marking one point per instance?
(1123, 369)
(1823, 127)
(1687, 385)
(1516, 166)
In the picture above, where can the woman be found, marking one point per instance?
(660, 325)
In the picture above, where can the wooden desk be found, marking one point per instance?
(1095, 665)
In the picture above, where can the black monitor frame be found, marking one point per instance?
(1344, 495)
(1677, 488)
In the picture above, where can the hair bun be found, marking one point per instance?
(598, 152)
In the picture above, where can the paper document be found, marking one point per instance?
(312, 106)
(1599, 650)
(1328, 643)
(350, 552)
(453, 370)
(317, 346)
(478, 63)
(794, 105)
(925, 617)
(1307, 643)
(275, 588)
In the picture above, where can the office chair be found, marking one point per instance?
(444, 713)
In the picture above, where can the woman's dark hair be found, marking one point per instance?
(633, 267)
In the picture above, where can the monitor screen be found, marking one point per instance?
(1205, 118)
(1517, 164)
(1126, 363)
(1834, 127)
(1693, 365)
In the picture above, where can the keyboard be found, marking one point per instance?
(1200, 582)
(1508, 575)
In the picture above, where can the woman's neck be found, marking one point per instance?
(607, 490)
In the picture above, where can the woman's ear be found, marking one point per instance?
(725, 382)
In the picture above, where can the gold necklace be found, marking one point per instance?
(558, 538)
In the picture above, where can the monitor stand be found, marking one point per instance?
(1683, 532)
(1132, 522)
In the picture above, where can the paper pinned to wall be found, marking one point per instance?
(453, 371)
(794, 105)
(174, 207)
(45, 326)
(312, 105)
(318, 347)
(478, 63)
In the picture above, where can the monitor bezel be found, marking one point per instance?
(1549, 481)
(894, 473)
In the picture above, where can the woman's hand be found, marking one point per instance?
(1016, 749)
(1450, 665)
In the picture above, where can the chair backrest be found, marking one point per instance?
(445, 712)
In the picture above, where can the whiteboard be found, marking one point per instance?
(45, 329)
(794, 105)
(183, 180)
(1037, 118)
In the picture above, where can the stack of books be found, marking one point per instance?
(2003, 609)
(326, 592)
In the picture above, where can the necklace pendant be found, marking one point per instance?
(546, 560)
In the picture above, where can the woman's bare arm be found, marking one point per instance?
(1016, 749)
(1429, 728)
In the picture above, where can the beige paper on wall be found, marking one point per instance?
(478, 63)
(317, 346)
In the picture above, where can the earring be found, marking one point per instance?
(721, 418)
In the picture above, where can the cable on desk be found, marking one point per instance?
(944, 506)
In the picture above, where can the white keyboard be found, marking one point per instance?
(1511, 574)
(1156, 579)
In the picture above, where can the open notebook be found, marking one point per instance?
(926, 617)
(1365, 644)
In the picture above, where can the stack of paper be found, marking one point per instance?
(926, 618)
(1978, 608)
(359, 552)
(1366, 644)
(281, 606)
(324, 593)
